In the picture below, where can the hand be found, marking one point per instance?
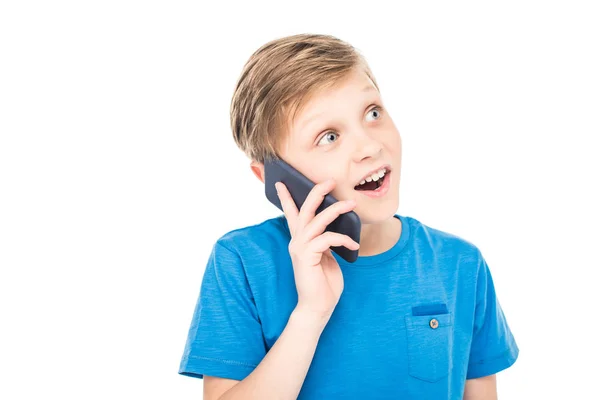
(318, 277)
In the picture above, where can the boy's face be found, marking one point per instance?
(343, 132)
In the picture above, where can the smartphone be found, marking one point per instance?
(299, 186)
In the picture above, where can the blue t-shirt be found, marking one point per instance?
(412, 322)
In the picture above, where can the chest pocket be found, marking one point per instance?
(429, 340)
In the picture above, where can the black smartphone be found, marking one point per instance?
(299, 186)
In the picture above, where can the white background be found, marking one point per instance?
(118, 172)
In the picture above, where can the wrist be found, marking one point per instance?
(310, 319)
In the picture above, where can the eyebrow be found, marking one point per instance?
(314, 116)
(370, 87)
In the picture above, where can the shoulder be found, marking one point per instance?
(257, 239)
(443, 242)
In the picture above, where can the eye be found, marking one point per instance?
(329, 135)
(375, 112)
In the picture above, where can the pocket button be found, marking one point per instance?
(434, 323)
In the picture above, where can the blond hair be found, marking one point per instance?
(276, 82)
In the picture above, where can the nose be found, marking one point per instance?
(366, 147)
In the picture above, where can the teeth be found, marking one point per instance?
(374, 177)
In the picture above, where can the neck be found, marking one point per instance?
(379, 237)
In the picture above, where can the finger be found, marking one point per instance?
(319, 223)
(313, 201)
(328, 239)
(287, 203)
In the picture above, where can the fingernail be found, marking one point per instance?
(277, 187)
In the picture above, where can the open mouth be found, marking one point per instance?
(370, 185)
(374, 181)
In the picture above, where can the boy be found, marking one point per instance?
(282, 317)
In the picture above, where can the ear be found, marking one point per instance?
(258, 169)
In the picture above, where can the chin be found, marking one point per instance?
(376, 215)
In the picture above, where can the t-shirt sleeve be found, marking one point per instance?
(493, 347)
(225, 336)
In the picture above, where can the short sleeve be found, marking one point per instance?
(225, 336)
(493, 347)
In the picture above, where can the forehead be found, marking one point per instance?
(356, 84)
(333, 97)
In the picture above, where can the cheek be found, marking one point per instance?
(395, 144)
